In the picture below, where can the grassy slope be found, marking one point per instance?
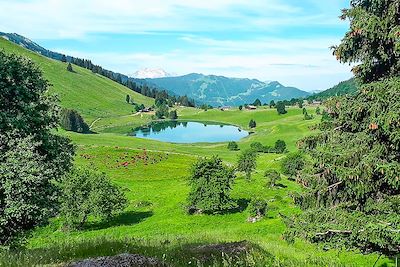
(92, 95)
(157, 188)
(161, 183)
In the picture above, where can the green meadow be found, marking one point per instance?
(154, 175)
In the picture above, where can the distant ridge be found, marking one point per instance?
(219, 90)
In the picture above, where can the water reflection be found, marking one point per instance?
(189, 132)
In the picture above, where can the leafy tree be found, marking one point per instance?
(272, 177)
(272, 104)
(280, 146)
(173, 115)
(304, 111)
(32, 158)
(258, 207)
(128, 99)
(247, 162)
(87, 193)
(252, 124)
(162, 112)
(71, 120)
(300, 103)
(69, 68)
(257, 103)
(293, 163)
(307, 116)
(257, 146)
(233, 146)
(240, 107)
(318, 111)
(211, 183)
(281, 108)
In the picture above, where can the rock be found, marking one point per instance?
(122, 260)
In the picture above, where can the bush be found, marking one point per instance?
(280, 146)
(281, 108)
(240, 107)
(71, 120)
(252, 124)
(233, 146)
(32, 158)
(247, 162)
(293, 163)
(87, 193)
(173, 115)
(272, 177)
(211, 183)
(258, 207)
(162, 112)
(258, 147)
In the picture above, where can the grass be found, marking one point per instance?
(155, 182)
(92, 95)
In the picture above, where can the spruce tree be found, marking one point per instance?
(352, 185)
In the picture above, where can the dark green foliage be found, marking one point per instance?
(280, 146)
(63, 58)
(304, 111)
(272, 104)
(71, 120)
(173, 115)
(373, 39)
(87, 193)
(240, 107)
(69, 68)
(128, 99)
(257, 103)
(32, 159)
(258, 147)
(318, 111)
(281, 108)
(252, 124)
(258, 207)
(352, 180)
(247, 162)
(349, 87)
(162, 112)
(307, 116)
(233, 146)
(272, 177)
(293, 163)
(211, 183)
(139, 107)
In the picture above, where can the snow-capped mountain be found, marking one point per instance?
(148, 73)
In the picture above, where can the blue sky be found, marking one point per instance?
(284, 40)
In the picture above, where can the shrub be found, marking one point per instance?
(240, 107)
(71, 120)
(32, 158)
(281, 108)
(69, 68)
(257, 146)
(280, 146)
(272, 177)
(258, 207)
(233, 146)
(87, 193)
(211, 183)
(173, 115)
(252, 124)
(293, 163)
(247, 162)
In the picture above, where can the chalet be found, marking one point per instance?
(251, 107)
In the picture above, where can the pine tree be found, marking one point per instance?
(63, 58)
(69, 68)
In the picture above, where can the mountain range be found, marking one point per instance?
(204, 89)
(221, 91)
